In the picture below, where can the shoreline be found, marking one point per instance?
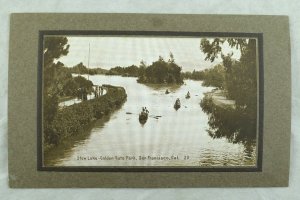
(74, 119)
(219, 99)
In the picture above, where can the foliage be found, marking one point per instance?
(195, 75)
(231, 123)
(75, 118)
(54, 48)
(241, 79)
(81, 82)
(240, 76)
(142, 68)
(57, 82)
(82, 69)
(213, 48)
(63, 83)
(240, 85)
(214, 77)
(132, 71)
(161, 71)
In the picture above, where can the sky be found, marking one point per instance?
(107, 52)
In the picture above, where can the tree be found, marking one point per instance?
(240, 78)
(172, 59)
(213, 49)
(54, 48)
(240, 85)
(82, 82)
(80, 68)
(161, 71)
(214, 77)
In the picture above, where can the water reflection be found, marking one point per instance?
(237, 125)
(172, 88)
(65, 149)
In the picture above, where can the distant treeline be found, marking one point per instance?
(82, 69)
(195, 75)
(214, 77)
(160, 71)
(132, 71)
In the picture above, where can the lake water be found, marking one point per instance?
(177, 138)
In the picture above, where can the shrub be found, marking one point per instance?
(74, 119)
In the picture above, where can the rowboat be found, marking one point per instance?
(177, 104)
(143, 116)
(187, 96)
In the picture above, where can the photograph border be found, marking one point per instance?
(114, 33)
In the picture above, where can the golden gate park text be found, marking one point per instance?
(173, 157)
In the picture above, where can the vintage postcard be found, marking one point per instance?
(115, 104)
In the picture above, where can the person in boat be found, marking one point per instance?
(188, 95)
(177, 104)
(143, 116)
(145, 110)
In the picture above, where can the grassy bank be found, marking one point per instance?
(74, 119)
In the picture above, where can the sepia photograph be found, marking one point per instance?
(166, 101)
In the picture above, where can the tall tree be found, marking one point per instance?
(212, 48)
(54, 48)
(240, 85)
(240, 79)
